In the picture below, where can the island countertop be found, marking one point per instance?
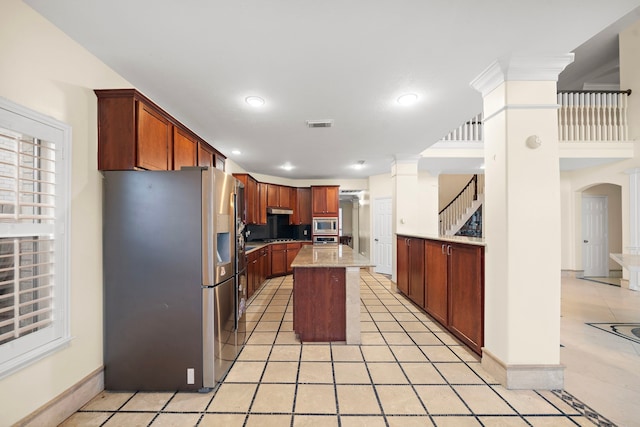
(329, 256)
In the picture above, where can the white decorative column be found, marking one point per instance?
(634, 211)
(522, 221)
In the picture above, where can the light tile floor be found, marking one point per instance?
(408, 371)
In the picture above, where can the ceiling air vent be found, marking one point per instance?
(319, 123)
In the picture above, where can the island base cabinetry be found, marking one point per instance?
(319, 297)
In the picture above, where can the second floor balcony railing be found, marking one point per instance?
(583, 116)
(592, 115)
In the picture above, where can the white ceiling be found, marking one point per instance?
(346, 60)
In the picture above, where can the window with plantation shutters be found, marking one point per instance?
(33, 241)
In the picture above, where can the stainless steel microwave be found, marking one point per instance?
(325, 226)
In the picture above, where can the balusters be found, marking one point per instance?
(592, 116)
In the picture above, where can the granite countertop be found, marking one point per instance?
(477, 241)
(329, 256)
(255, 245)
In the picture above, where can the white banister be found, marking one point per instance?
(592, 116)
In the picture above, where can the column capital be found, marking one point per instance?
(632, 171)
(521, 68)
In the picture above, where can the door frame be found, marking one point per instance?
(605, 253)
(374, 227)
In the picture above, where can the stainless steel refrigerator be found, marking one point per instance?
(173, 301)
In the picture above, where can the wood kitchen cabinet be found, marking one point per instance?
(250, 197)
(301, 206)
(282, 255)
(262, 203)
(292, 252)
(279, 196)
(436, 280)
(410, 265)
(453, 284)
(185, 149)
(325, 200)
(278, 259)
(466, 294)
(135, 133)
(206, 156)
(252, 273)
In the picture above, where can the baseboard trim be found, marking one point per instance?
(66, 403)
(523, 377)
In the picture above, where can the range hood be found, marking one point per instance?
(279, 211)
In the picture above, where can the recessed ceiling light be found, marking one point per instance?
(287, 166)
(236, 152)
(358, 165)
(408, 99)
(254, 101)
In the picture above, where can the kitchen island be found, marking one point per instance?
(326, 293)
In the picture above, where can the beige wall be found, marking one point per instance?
(449, 185)
(44, 70)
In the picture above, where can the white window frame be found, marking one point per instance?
(22, 351)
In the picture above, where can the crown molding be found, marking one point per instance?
(521, 68)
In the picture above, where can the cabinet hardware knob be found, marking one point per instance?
(585, 241)
(448, 249)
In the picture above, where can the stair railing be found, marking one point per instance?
(459, 205)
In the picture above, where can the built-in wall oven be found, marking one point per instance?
(327, 225)
(324, 239)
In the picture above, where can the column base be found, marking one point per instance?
(523, 377)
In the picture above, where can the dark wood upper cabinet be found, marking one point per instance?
(325, 200)
(135, 133)
(153, 139)
(301, 206)
(279, 196)
(206, 155)
(185, 149)
(262, 203)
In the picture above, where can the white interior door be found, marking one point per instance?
(382, 236)
(595, 236)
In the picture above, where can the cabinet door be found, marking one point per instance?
(252, 262)
(285, 199)
(319, 200)
(251, 200)
(273, 195)
(154, 135)
(436, 299)
(185, 149)
(265, 267)
(402, 275)
(333, 200)
(205, 154)
(304, 205)
(416, 271)
(278, 259)
(292, 252)
(220, 162)
(466, 294)
(262, 203)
